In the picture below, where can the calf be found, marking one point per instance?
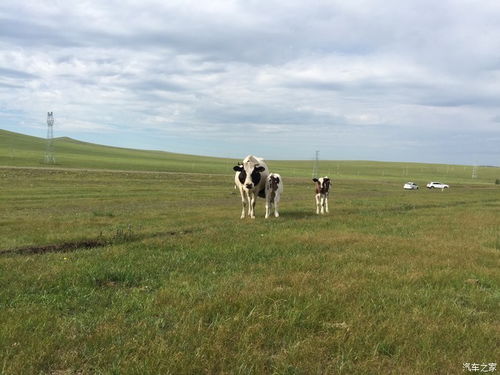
(322, 191)
(250, 179)
(274, 188)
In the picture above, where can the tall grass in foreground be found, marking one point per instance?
(390, 282)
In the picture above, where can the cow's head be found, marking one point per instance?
(250, 174)
(274, 182)
(322, 184)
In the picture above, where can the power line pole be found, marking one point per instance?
(49, 150)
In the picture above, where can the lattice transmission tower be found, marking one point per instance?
(474, 171)
(50, 157)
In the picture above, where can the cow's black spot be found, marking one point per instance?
(255, 177)
(242, 176)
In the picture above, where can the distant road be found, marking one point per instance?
(109, 170)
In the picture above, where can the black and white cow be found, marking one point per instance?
(322, 192)
(250, 179)
(274, 188)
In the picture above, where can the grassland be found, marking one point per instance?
(24, 151)
(390, 282)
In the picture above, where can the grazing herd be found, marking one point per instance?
(253, 179)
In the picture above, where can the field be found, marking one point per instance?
(23, 151)
(149, 272)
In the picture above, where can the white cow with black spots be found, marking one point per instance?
(250, 179)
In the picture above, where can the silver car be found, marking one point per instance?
(437, 185)
(410, 186)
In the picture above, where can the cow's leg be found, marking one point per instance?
(326, 203)
(243, 203)
(276, 204)
(322, 204)
(268, 204)
(318, 202)
(249, 202)
(252, 201)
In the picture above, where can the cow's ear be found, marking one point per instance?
(237, 168)
(260, 169)
(315, 180)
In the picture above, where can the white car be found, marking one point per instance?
(410, 186)
(437, 185)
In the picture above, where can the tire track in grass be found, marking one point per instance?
(84, 244)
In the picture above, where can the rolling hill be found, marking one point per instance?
(19, 150)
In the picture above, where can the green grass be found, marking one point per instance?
(391, 281)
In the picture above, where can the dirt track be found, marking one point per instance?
(110, 170)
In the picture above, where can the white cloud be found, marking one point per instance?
(285, 71)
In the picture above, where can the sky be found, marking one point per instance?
(391, 80)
